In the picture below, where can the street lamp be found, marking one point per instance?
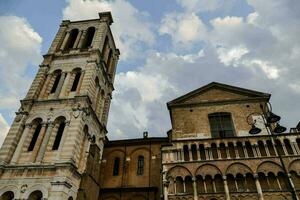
(270, 118)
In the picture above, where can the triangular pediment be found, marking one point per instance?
(218, 92)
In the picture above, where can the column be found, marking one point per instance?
(267, 149)
(80, 83)
(195, 188)
(182, 155)
(219, 152)
(60, 84)
(75, 46)
(63, 45)
(295, 148)
(65, 85)
(43, 148)
(226, 189)
(257, 151)
(184, 189)
(258, 187)
(190, 154)
(166, 184)
(198, 153)
(21, 142)
(82, 38)
(236, 152)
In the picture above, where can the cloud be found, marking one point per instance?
(185, 28)
(132, 29)
(20, 47)
(4, 127)
(204, 5)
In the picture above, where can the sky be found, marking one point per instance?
(168, 48)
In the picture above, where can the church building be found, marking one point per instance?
(225, 142)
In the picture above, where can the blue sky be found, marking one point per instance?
(168, 48)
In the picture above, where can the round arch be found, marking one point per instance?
(178, 171)
(294, 166)
(236, 168)
(269, 166)
(207, 169)
(41, 188)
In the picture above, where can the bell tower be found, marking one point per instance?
(64, 112)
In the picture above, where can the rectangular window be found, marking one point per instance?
(140, 165)
(116, 166)
(221, 125)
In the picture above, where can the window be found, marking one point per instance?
(140, 165)
(221, 125)
(55, 84)
(89, 37)
(35, 137)
(116, 166)
(60, 131)
(72, 39)
(76, 81)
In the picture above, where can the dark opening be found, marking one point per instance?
(249, 149)
(240, 149)
(194, 152)
(202, 152)
(221, 125)
(262, 149)
(288, 147)
(89, 37)
(9, 195)
(116, 166)
(72, 39)
(271, 148)
(140, 165)
(60, 131)
(231, 150)
(55, 84)
(34, 137)
(76, 81)
(186, 153)
(279, 147)
(214, 151)
(223, 150)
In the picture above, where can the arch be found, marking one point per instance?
(107, 155)
(294, 166)
(238, 168)
(42, 188)
(70, 198)
(41, 116)
(261, 147)
(35, 195)
(179, 185)
(188, 184)
(72, 38)
(37, 126)
(143, 149)
(77, 72)
(56, 76)
(268, 166)
(178, 171)
(288, 146)
(207, 169)
(61, 114)
(296, 179)
(61, 122)
(9, 188)
(88, 40)
(9, 195)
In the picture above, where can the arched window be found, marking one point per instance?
(179, 185)
(223, 150)
(219, 183)
(271, 148)
(9, 195)
(250, 182)
(288, 147)
(231, 150)
(263, 181)
(72, 39)
(209, 184)
(249, 149)
(140, 165)
(186, 153)
(188, 185)
(76, 80)
(214, 151)
(273, 181)
(57, 75)
(59, 134)
(194, 152)
(231, 183)
(240, 149)
(221, 125)
(262, 149)
(89, 37)
(200, 184)
(283, 180)
(36, 195)
(296, 179)
(38, 126)
(116, 166)
(279, 147)
(240, 180)
(202, 152)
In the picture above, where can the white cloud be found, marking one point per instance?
(204, 5)
(20, 47)
(130, 28)
(4, 127)
(184, 28)
(231, 56)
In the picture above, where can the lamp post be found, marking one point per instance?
(270, 118)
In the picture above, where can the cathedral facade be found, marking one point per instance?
(225, 142)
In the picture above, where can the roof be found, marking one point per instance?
(251, 93)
